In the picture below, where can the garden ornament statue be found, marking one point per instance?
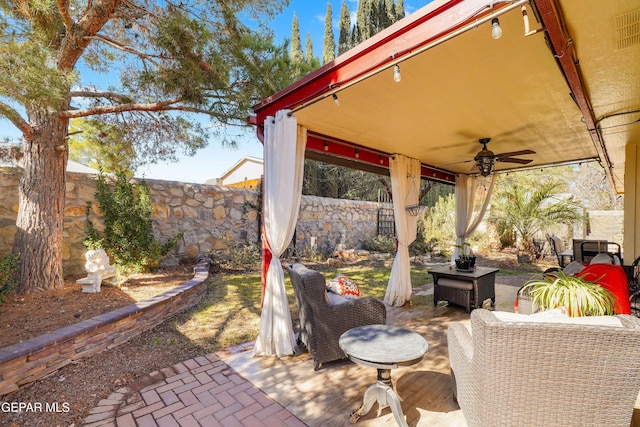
(98, 269)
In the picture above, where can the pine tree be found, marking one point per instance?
(179, 66)
(329, 49)
(344, 38)
(399, 10)
(297, 56)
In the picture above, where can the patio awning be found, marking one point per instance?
(570, 92)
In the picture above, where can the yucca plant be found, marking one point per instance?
(581, 297)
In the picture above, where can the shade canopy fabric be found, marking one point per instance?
(284, 144)
(405, 181)
(568, 89)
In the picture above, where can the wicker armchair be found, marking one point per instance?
(513, 372)
(322, 323)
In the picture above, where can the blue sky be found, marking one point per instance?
(214, 160)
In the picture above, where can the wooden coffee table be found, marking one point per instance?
(383, 347)
(466, 288)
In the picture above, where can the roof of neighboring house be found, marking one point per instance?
(245, 160)
(250, 166)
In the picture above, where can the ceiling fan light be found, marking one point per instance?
(485, 165)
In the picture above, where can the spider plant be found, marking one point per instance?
(581, 297)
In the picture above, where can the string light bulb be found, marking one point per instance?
(335, 99)
(326, 147)
(496, 31)
(357, 154)
(396, 74)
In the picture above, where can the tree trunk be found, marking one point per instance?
(40, 221)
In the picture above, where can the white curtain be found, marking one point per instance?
(405, 184)
(466, 192)
(284, 145)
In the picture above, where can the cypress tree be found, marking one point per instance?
(309, 50)
(356, 35)
(363, 18)
(391, 12)
(399, 10)
(374, 18)
(297, 56)
(344, 38)
(329, 48)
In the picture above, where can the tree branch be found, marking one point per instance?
(14, 117)
(107, 95)
(76, 40)
(124, 48)
(63, 8)
(113, 109)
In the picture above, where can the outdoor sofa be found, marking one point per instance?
(511, 369)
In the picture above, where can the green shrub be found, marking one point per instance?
(313, 255)
(8, 265)
(380, 244)
(422, 244)
(440, 222)
(245, 256)
(128, 230)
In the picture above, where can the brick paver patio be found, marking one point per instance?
(203, 391)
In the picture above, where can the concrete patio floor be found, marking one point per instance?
(327, 397)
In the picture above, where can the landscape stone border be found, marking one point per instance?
(30, 360)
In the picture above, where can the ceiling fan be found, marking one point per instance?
(485, 159)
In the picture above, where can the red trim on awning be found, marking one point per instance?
(347, 150)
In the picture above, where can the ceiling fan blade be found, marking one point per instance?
(516, 153)
(457, 163)
(514, 160)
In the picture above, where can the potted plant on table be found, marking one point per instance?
(580, 297)
(466, 260)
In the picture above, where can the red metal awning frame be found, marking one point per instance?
(561, 45)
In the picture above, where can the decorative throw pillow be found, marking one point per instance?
(344, 286)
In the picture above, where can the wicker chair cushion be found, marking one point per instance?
(344, 286)
(554, 317)
(457, 284)
(335, 299)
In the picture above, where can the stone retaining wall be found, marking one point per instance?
(213, 218)
(216, 218)
(33, 359)
(333, 221)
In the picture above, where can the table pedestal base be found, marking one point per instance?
(382, 392)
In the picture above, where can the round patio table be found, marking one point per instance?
(383, 347)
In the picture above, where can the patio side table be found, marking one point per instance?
(466, 288)
(383, 347)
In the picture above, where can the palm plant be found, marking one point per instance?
(530, 211)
